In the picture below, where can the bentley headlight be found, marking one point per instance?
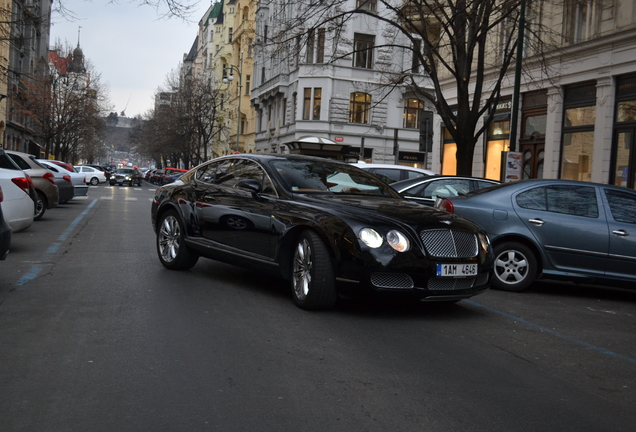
(484, 242)
(398, 241)
(370, 237)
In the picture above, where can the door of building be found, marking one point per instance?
(532, 155)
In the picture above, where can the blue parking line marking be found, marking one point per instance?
(553, 333)
(35, 269)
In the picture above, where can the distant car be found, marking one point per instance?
(555, 229)
(106, 171)
(5, 231)
(19, 206)
(67, 166)
(155, 177)
(289, 215)
(392, 173)
(93, 175)
(171, 174)
(426, 190)
(122, 176)
(48, 194)
(78, 180)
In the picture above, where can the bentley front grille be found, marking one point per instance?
(447, 243)
(392, 280)
(450, 284)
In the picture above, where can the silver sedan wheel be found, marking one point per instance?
(303, 263)
(511, 266)
(515, 267)
(169, 239)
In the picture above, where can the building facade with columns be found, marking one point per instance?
(578, 120)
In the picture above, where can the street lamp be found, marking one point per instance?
(229, 78)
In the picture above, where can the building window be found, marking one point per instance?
(266, 28)
(310, 46)
(577, 146)
(412, 109)
(306, 103)
(248, 84)
(320, 49)
(359, 107)
(317, 103)
(582, 20)
(229, 35)
(449, 154)
(363, 50)
(416, 62)
(284, 116)
(250, 48)
(370, 5)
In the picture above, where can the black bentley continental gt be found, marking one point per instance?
(328, 227)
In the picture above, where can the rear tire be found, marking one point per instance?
(40, 206)
(313, 281)
(515, 267)
(173, 253)
(94, 181)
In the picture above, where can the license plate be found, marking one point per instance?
(456, 270)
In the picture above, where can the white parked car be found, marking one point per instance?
(93, 175)
(391, 173)
(78, 179)
(18, 207)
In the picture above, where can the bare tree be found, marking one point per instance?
(466, 45)
(186, 125)
(67, 111)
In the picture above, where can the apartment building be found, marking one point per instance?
(327, 90)
(28, 58)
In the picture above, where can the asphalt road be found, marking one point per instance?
(95, 335)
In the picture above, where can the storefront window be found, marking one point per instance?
(578, 133)
(626, 111)
(498, 141)
(577, 156)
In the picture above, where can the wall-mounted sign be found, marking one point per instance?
(338, 139)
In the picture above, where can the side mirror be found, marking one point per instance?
(252, 185)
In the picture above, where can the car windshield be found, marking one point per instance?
(308, 176)
(125, 171)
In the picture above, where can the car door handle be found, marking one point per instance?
(620, 233)
(538, 222)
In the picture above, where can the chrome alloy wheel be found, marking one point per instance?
(169, 238)
(511, 267)
(303, 264)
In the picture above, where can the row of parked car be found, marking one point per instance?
(30, 186)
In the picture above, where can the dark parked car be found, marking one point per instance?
(555, 229)
(122, 176)
(328, 227)
(5, 232)
(426, 190)
(155, 177)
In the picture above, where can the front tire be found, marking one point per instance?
(173, 253)
(313, 280)
(515, 267)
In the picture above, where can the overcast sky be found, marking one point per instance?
(129, 45)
